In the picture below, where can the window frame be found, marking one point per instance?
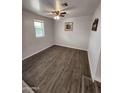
(41, 21)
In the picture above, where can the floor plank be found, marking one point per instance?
(56, 70)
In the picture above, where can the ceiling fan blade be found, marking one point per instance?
(64, 4)
(53, 12)
(47, 12)
(63, 13)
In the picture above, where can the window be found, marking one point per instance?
(39, 28)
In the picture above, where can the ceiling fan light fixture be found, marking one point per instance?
(56, 17)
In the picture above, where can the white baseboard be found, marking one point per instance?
(98, 79)
(70, 47)
(36, 52)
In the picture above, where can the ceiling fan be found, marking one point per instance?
(58, 14)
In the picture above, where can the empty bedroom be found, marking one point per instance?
(61, 46)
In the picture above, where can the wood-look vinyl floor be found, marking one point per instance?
(56, 70)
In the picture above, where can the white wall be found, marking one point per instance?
(94, 46)
(81, 37)
(98, 70)
(31, 44)
(78, 38)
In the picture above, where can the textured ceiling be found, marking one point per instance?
(75, 7)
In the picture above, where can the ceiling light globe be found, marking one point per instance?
(55, 17)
